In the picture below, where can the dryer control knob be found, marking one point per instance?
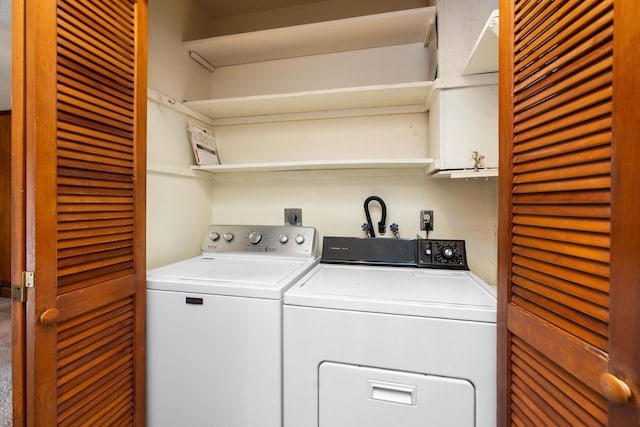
(448, 252)
(299, 239)
(283, 238)
(255, 237)
(227, 236)
(214, 236)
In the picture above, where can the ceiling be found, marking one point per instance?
(5, 55)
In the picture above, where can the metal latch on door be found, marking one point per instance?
(19, 293)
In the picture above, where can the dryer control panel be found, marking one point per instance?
(286, 241)
(450, 254)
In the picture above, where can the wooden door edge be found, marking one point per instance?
(18, 243)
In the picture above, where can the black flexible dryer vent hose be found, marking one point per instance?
(383, 220)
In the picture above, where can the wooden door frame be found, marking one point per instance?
(18, 216)
(624, 351)
(505, 206)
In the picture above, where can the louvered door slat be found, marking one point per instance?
(560, 173)
(96, 224)
(532, 271)
(94, 99)
(582, 409)
(79, 69)
(533, 408)
(588, 80)
(581, 251)
(555, 25)
(71, 132)
(570, 198)
(565, 185)
(534, 384)
(560, 157)
(108, 26)
(93, 34)
(560, 259)
(94, 164)
(548, 112)
(522, 9)
(575, 119)
(582, 136)
(106, 148)
(583, 305)
(560, 235)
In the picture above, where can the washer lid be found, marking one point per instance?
(247, 276)
(445, 294)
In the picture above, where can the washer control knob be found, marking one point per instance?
(299, 239)
(214, 236)
(227, 236)
(448, 252)
(255, 237)
(283, 238)
(427, 251)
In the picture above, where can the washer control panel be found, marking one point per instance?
(289, 241)
(449, 254)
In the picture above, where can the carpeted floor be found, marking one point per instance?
(5, 362)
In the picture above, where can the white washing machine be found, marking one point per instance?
(379, 345)
(214, 327)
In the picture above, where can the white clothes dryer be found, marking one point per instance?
(379, 345)
(214, 327)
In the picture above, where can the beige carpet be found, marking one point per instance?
(5, 362)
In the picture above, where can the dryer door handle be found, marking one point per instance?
(392, 392)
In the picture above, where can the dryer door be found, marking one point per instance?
(359, 396)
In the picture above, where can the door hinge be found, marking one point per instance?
(19, 293)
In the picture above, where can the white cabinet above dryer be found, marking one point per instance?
(463, 130)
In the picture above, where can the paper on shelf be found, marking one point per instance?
(204, 145)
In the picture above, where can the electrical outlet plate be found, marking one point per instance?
(293, 216)
(426, 216)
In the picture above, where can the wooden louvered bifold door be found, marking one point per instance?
(86, 165)
(556, 151)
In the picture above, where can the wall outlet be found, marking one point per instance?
(293, 216)
(426, 220)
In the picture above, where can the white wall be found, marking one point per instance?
(178, 208)
(333, 203)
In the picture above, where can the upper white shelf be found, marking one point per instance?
(410, 97)
(363, 32)
(484, 55)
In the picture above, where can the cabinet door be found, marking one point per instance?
(79, 154)
(569, 299)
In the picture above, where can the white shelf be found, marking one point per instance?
(317, 165)
(402, 97)
(468, 173)
(484, 55)
(160, 169)
(378, 30)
